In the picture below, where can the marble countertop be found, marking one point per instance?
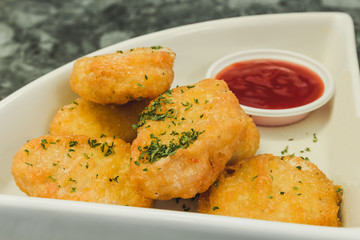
(37, 36)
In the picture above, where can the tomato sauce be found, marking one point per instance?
(272, 84)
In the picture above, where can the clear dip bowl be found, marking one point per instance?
(279, 117)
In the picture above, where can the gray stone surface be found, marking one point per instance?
(37, 36)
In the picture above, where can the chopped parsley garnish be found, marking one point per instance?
(73, 143)
(315, 139)
(115, 179)
(93, 143)
(254, 178)
(156, 47)
(72, 180)
(298, 167)
(140, 85)
(52, 179)
(107, 149)
(43, 142)
(29, 164)
(153, 112)
(157, 150)
(27, 151)
(215, 208)
(146, 77)
(285, 150)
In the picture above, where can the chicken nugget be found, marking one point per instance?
(249, 144)
(124, 76)
(77, 168)
(185, 138)
(286, 189)
(92, 119)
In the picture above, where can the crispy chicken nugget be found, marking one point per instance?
(124, 76)
(287, 189)
(77, 168)
(185, 138)
(249, 144)
(92, 119)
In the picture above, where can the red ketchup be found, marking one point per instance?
(272, 84)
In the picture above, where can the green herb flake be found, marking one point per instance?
(107, 149)
(315, 139)
(43, 146)
(215, 208)
(93, 143)
(73, 143)
(52, 179)
(340, 191)
(72, 180)
(27, 151)
(285, 150)
(140, 85)
(73, 189)
(295, 188)
(270, 197)
(282, 193)
(156, 47)
(254, 178)
(115, 179)
(298, 167)
(30, 164)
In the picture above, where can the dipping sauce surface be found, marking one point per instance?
(272, 84)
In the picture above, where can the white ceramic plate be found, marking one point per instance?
(326, 37)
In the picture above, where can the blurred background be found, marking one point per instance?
(37, 36)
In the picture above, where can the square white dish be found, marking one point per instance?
(326, 37)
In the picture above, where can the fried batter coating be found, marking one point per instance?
(249, 144)
(286, 189)
(92, 119)
(185, 138)
(124, 76)
(77, 168)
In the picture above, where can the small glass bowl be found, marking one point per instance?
(279, 117)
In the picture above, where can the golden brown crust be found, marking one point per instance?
(123, 76)
(249, 144)
(92, 119)
(287, 189)
(76, 168)
(203, 126)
